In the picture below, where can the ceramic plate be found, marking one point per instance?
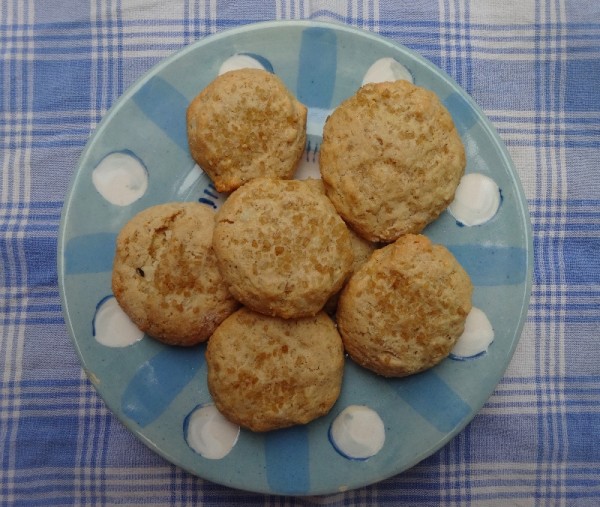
(152, 388)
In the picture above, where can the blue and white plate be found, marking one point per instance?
(153, 388)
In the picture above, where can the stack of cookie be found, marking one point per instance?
(391, 160)
(284, 250)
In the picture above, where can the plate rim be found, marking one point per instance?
(484, 121)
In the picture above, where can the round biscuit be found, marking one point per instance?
(165, 275)
(246, 124)
(266, 373)
(404, 309)
(281, 247)
(391, 159)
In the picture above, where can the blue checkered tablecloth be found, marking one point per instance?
(534, 68)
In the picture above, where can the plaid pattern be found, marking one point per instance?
(532, 65)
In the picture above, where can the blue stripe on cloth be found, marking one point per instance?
(281, 448)
(32, 205)
(550, 429)
(30, 320)
(583, 253)
(478, 30)
(32, 437)
(41, 256)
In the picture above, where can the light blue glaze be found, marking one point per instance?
(317, 67)
(164, 106)
(158, 381)
(90, 253)
(281, 447)
(433, 399)
(489, 265)
(262, 60)
(464, 117)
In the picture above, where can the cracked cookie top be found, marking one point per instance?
(391, 159)
(281, 247)
(165, 274)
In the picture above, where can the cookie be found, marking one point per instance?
(246, 124)
(165, 275)
(391, 159)
(266, 373)
(404, 309)
(281, 247)
(362, 250)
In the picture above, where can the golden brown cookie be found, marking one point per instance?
(165, 275)
(404, 309)
(281, 247)
(266, 373)
(362, 250)
(391, 159)
(246, 124)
